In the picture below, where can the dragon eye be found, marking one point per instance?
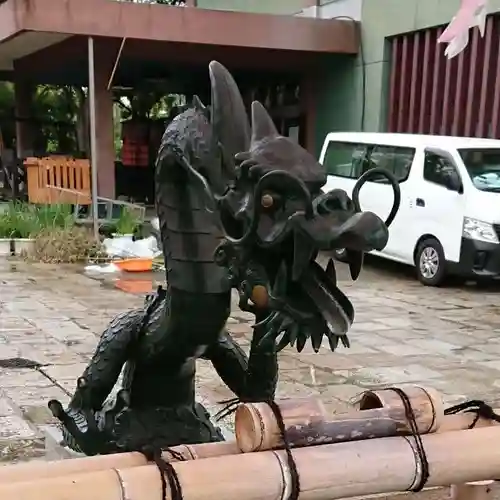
(267, 200)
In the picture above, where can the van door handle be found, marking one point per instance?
(420, 202)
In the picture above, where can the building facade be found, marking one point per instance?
(400, 81)
(371, 65)
(277, 51)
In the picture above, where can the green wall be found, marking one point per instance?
(260, 6)
(340, 94)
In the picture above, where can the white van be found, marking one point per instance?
(449, 219)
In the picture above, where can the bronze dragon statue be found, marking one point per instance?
(240, 207)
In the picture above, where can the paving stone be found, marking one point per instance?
(30, 396)
(403, 333)
(14, 427)
(6, 409)
(61, 356)
(395, 375)
(405, 349)
(65, 372)
(332, 361)
(23, 378)
(434, 346)
(239, 330)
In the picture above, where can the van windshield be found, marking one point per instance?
(483, 167)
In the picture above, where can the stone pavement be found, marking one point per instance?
(403, 332)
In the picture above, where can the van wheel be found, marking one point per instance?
(340, 254)
(430, 263)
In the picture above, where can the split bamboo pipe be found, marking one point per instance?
(460, 421)
(327, 472)
(41, 470)
(382, 414)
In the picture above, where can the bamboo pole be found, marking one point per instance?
(297, 409)
(462, 421)
(480, 490)
(382, 414)
(326, 472)
(42, 470)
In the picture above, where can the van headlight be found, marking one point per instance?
(478, 230)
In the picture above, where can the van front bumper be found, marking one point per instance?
(477, 259)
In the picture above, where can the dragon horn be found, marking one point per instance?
(262, 124)
(229, 117)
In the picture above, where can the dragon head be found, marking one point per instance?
(276, 220)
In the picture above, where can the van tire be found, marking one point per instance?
(340, 254)
(430, 262)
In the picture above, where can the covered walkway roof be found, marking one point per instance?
(195, 35)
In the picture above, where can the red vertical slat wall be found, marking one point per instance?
(430, 94)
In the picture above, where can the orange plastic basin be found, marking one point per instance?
(137, 265)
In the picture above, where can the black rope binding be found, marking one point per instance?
(294, 473)
(480, 408)
(422, 456)
(230, 406)
(166, 470)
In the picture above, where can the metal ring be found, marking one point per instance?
(379, 172)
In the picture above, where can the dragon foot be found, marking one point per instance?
(133, 429)
(81, 432)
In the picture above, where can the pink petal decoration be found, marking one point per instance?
(456, 35)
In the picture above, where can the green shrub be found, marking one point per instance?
(55, 216)
(127, 222)
(23, 220)
(19, 221)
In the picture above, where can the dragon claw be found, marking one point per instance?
(56, 409)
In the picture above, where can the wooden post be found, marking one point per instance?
(93, 136)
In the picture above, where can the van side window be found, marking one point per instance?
(397, 160)
(437, 169)
(344, 159)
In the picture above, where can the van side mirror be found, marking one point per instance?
(453, 182)
(443, 153)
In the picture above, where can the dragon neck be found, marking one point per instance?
(190, 235)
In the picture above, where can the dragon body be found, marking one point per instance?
(239, 207)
